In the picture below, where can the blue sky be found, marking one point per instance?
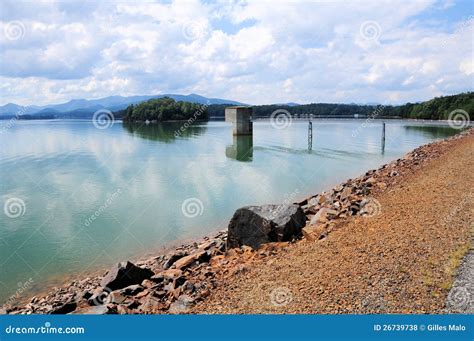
(250, 51)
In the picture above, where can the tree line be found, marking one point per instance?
(166, 109)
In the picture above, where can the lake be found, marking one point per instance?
(76, 198)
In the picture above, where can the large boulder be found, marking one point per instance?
(256, 225)
(123, 274)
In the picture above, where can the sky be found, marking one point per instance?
(255, 52)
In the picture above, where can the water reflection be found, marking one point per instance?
(241, 149)
(383, 138)
(165, 132)
(434, 131)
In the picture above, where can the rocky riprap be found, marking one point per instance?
(170, 283)
(175, 282)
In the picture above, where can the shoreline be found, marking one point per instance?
(187, 274)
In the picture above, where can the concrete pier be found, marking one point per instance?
(241, 149)
(241, 119)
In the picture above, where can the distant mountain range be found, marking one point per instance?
(84, 108)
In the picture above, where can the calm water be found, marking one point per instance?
(92, 197)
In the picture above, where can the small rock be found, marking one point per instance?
(172, 274)
(86, 294)
(98, 297)
(173, 258)
(158, 278)
(323, 198)
(370, 181)
(216, 260)
(66, 308)
(95, 310)
(123, 310)
(320, 217)
(152, 305)
(313, 233)
(116, 297)
(346, 193)
(149, 283)
(207, 245)
(131, 290)
(124, 274)
(246, 248)
(189, 287)
(313, 201)
(182, 305)
(185, 262)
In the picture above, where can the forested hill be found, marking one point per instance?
(164, 109)
(434, 109)
(437, 108)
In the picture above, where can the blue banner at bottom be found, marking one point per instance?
(238, 327)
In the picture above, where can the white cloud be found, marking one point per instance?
(254, 52)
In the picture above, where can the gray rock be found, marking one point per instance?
(116, 297)
(313, 201)
(131, 290)
(96, 310)
(182, 305)
(256, 225)
(346, 192)
(65, 308)
(124, 274)
(173, 258)
(98, 297)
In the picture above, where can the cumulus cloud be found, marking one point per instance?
(250, 51)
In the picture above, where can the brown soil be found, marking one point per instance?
(400, 261)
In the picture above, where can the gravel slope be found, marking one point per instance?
(400, 261)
